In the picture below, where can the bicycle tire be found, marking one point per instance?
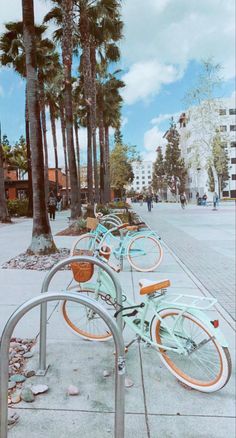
(204, 376)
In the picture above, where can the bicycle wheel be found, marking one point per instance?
(206, 366)
(85, 242)
(144, 253)
(85, 322)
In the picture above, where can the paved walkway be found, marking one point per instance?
(156, 406)
(204, 240)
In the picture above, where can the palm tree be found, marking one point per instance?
(109, 114)
(13, 54)
(51, 100)
(4, 216)
(63, 15)
(42, 241)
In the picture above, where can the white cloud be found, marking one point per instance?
(170, 33)
(152, 139)
(144, 80)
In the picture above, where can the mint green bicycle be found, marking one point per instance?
(140, 246)
(190, 345)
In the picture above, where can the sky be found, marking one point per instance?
(163, 45)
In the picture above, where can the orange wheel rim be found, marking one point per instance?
(178, 370)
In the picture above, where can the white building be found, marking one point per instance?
(196, 152)
(142, 175)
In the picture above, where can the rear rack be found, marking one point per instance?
(190, 301)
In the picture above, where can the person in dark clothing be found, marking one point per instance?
(52, 202)
(149, 201)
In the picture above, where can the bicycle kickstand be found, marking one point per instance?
(136, 339)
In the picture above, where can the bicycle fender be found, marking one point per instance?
(216, 332)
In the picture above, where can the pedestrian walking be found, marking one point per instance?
(197, 198)
(149, 202)
(52, 202)
(59, 202)
(204, 199)
(183, 200)
(215, 201)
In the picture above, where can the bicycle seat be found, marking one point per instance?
(132, 228)
(149, 286)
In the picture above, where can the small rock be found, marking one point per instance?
(28, 355)
(27, 394)
(128, 382)
(11, 385)
(12, 418)
(106, 373)
(72, 390)
(18, 378)
(16, 365)
(39, 389)
(29, 373)
(15, 397)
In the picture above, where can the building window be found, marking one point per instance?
(137, 177)
(189, 150)
(223, 128)
(233, 160)
(232, 111)
(232, 127)
(222, 112)
(233, 144)
(224, 144)
(234, 177)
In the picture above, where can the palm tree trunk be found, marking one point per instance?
(42, 241)
(107, 165)
(4, 216)
(67, 63)
(54, 140)
(94, 119)
(89, 163)
(63, 133)
(78, 161)
(103, 175)
(29, 165)
(86, 70)
(45, 142)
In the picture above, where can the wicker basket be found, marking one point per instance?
(82, 271)
(105, 252)
(92, 223)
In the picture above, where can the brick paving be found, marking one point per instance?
(214, 268)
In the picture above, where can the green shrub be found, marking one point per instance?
(17, 207)
(119, 204)
(80, 224)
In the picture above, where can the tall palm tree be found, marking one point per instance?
(13, 54)
(62, 14)
(51, 100)
(4, 216)
(42, 241)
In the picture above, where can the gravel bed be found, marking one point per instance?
(36, 262)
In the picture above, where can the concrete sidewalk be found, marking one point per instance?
(156, 405)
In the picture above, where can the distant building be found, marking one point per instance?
(225, 121)
(142, 175)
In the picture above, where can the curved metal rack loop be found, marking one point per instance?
(43, 310)
(119, 356)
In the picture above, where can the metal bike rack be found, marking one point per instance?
(43, 310)
(119, 356)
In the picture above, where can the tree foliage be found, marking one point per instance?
(121, 168)
(174, 166)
